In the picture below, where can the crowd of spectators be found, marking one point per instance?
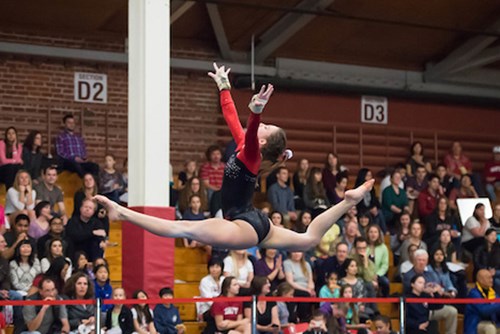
(47, 253)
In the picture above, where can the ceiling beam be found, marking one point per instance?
(486, 57)
(179, 8)
(477, 76)
(302, 72)
(220, 33)
(461, 55)
(286, 27)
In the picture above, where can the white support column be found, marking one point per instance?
(149, 103)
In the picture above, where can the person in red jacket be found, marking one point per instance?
(427, 199)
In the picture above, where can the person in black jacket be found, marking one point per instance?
(487, 256)
(125, 320)
(79, 287)
(417, 315)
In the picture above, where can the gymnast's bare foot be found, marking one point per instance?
(112, 207)
(354, 196)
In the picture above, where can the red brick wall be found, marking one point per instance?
(32, 90)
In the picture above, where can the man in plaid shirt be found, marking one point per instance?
(71, 150)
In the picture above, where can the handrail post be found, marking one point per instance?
(254, 314)
(98, 316)
(402, 312)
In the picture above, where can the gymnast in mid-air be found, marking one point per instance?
(244, 226)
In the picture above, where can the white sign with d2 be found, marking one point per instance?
(374, 109)
(91, 87)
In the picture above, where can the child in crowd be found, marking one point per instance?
(317, 325)
(383, 325)
(331, 289)
(82, 264)
(167, 319)
(102, 286)
(119, 317)
(142, 315)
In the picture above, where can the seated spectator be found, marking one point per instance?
(72, 151)
(166, 316)
(394, 202)
(212, 171)
(415, 185)
(495, 219)
(434, 285)
(336, 312)
(305, 218)
(21, 196)
(419, 314)
(379, 254)
(6, 291)
(439, 266)
(474, 229)
(228, 315)
(119, 318)
(402, 233)
(415, 239)
(298, 274)
(482, 318)
(285, 290)
(142, 315)
(102, 286)
(194, 213)
(383, 325)
(55, 250)
(331, 289)
(340, 188)
(441, 219)
(492, 174)
(357, 285)
(87, 191)
(110, 180)
(329, 174)
(408, 264)
(487, 256)
(364, 220)
(81, 317)
(56, 230)
(466, 190)
(350, 232)
(277, 219)
(456, 162)
(32, 155)
(317, 325)
(49, 191)
(86, 233)
(386, 181)
(24, 267)
(315, 198)
(281, 196)
(370, 203)
(444, 243)
(194, 186)
(238, 265)
(428, 198)
(351, 214)
(190, 170)
(446, 181)
(366, 268)
(18, 234)
(336, 263)
(299, 182)
(11, 161)
(43, 319)
(270, 265)
(210, 285)
(40, 226)
(58, 271)
(417, 159)
(267, 312)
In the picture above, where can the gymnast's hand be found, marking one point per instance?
(110, 206)
(259, 101)
(221, 77)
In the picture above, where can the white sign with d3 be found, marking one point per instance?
(374, 109)
(91, 87)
